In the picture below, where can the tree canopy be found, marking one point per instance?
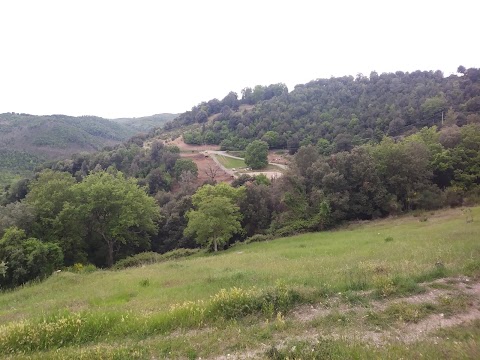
(216, 216)
(256, 154)
(115, 209)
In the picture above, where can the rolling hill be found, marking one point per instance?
(146, 123)
(385, 289)
(335, 114)
(28, 140)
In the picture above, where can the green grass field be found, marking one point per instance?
(230, 163)
(243, 300)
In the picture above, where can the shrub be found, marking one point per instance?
(472, 197)
(147, 258)
(429, 199)
(26, 259)
(180, 253)
(258, 238)
(80, 268)
(397, 286)
(140, 259)
(454, 196)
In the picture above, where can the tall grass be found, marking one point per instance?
(212, 290)
(66, 328)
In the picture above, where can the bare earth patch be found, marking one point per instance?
(398, 332)
(408, 332)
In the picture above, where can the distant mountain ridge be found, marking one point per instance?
(27, 140)
(146, 123)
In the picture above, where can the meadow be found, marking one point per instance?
(257, 300)
(230, 163)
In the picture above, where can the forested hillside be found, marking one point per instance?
(141, 195)
(338, 113)
(146, 123)
(28, 140)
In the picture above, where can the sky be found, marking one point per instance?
(137, 58)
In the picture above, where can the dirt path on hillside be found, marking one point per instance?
(208, 168)
(270, 174)
(406, 332)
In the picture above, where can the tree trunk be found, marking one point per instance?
(110, 254)
(215, 244)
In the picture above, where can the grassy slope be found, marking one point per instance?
(231, 163)
(333, 261)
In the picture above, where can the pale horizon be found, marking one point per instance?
(118, 59)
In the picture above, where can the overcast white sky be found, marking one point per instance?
(136, 58)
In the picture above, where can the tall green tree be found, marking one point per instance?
(214, 221)
(216, 215)
(256, 154)
(115, 209)
(48, 194)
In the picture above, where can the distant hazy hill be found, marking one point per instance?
(56, 136)
(27, 140)
(146, 123)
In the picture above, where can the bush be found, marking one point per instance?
(144, 258)
(180, 253)
(258, 238)
(80, 268)
(472, 197)
(454, 197)
(430, 198)
(27, 259)
(147, 258)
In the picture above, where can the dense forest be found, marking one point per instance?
(363, 148)
(336, 114)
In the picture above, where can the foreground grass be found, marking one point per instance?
(88, 314)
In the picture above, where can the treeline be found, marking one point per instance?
(361, 152)
(99, 208)
(337, 113)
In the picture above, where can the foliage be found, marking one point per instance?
(185, 165)
(115, 209)
(336, 113)
(26, 258)
(256, 155)
(146, 258)
(3, 268)
(220, 190)
(17, 214)
(214, 221)
(215, 217)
